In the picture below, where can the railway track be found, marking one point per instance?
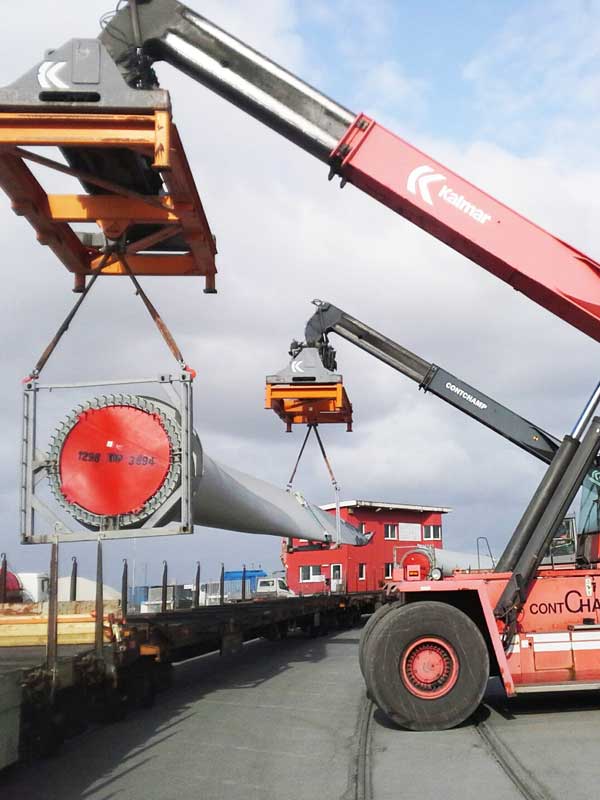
(363, 785)
(523, 779)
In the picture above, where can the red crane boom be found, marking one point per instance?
(376, 161)
(533, 261)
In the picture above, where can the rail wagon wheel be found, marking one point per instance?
(368, 629)
(427, 666)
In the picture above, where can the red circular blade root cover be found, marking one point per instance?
(114, 460)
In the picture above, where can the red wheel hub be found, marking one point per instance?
(429, 667)
(114, 460)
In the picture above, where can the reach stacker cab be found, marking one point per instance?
(427, 657)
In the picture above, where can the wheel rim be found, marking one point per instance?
(429, 668)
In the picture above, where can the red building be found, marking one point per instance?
(396, 528)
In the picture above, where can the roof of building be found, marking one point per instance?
(378, 505)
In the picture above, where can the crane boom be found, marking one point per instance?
(549, 271)
(431, 378)
(568, 465)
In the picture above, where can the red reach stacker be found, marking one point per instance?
(533, 622)
(427, 657)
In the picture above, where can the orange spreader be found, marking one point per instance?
(306, 404)
(165, 231)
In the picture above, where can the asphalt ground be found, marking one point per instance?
(289, 720)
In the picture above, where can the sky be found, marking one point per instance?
(504, 93)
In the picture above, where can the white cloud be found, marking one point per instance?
(384, 85)
(539, 76)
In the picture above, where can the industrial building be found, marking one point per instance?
(395, 529)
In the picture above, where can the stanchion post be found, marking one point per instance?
(99, 629)
(124, 588)
(73, 585)
(52, 638)
(197, 586)
(3, 578)
(163, 597)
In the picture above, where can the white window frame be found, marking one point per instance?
(432, 538)
(394, 527)
(313, 577)
(409, 532)
(389, 566)
(362, 572)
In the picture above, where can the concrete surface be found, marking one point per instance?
(555, 737)
(281, 721)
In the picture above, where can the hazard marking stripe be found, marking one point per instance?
(552, 647)
(551, 637)
(557, 642)
(586, 636)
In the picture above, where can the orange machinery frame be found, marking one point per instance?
(179, 212)
(309, 404)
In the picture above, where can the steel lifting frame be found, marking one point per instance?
(309, 404)
(35, 466)
(178, 213)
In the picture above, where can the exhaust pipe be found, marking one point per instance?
(119, 457)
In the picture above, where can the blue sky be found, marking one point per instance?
(504, 93)
(427, 44)
(516, 73)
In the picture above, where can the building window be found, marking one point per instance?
(362, 572)
(388, 570)
(431, 532)
(310, 573)
(409, 531)
(390, 531)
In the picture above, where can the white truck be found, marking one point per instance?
(273, 586)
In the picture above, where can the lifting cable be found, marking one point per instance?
(117, 249)
(156, 318)
(310, 428)
(52, 345)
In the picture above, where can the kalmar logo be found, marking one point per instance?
(421, 178)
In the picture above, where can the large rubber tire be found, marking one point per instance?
(368, 629)
(426, 666)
